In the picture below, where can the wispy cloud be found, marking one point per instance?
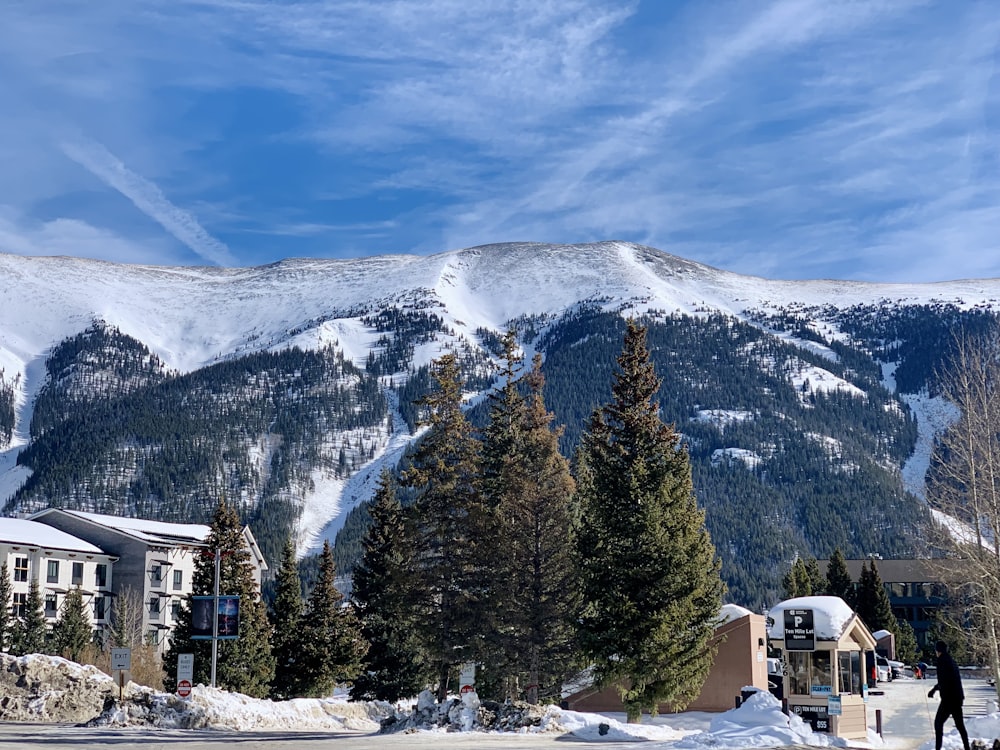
(789, 138)
(149, 199)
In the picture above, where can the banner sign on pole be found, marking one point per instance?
(226, 612)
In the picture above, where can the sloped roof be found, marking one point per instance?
(730, 612)
(27, 533)
(831, 616)
(153, 532)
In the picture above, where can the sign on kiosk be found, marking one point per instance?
(800, 633)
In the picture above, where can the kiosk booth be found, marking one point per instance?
(823, 643)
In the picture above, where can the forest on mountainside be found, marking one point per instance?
(796, 445)
(251, 429)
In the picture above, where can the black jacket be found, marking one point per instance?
(949, 680)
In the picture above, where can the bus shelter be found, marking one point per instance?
(823, 643)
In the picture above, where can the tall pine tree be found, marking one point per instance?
(446, 519)
(394, 666)
(72, 633)
(796, 581)
(286, 620)
(817, 581)
(31, 632)
(6, 619)
(244, 665)
(881, 614)
(649, 570)
(528, 487)
(838, 579)
(332, 646)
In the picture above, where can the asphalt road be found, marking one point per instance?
(905, 709)
(66, 737)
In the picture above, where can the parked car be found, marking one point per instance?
(898, 669)
(776, 678)
(883, 670)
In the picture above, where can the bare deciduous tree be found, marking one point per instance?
(964, 488)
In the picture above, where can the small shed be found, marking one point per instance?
(740, 662)
(823, 643)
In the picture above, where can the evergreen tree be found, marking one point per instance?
(332, 646)
(505, 479)
(245, 664)
(797, 581)
(906, 641)
(882, 616)
(838, 579)
(864, 599)
(286, 619)
(31, 631)
(446, 516)
(72, 633)
(528, 487)
(817, 581)
(393, 668)
(648, 568)
(6, 618)
(873, 605)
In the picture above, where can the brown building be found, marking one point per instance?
(823, 643)
(915, 590)
(740, 662)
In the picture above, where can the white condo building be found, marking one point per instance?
(57, 561)
(154, 559)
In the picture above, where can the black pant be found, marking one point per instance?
(954, 710)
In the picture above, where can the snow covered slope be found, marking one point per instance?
(191, 317)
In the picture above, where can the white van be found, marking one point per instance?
(883, 670)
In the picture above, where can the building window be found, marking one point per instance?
(153, 637)
(154, 605)
(101, 575)
(178, 580)
(99, 607)
(175, 610)
(21, 569)
(53, 572)
(849, 664)
(51, 605)
(157, 573)
(78, 574)
(20, 608)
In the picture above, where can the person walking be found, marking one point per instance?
(952, 695)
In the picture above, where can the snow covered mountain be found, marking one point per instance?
(373, 323)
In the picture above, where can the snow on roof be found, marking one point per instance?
(148, 531)
(22, 532)
(880, 634)
(831, 614)
(730, 612)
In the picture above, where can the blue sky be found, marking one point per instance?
(855, 139)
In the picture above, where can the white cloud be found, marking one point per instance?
(791, 138)
(73, 237)
(149, 199)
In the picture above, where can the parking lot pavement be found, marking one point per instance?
(908, 714)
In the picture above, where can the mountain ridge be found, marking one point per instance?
(813, 357)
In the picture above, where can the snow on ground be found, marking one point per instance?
(325, 509)
(906, 713)
(809, 379)
(721, 418)
(731, 455)
(833, 447)
(934, 416)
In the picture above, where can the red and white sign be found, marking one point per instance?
(183, 688)
(467, 689)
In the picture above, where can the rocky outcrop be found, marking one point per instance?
(468, 713)
(47, 688)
